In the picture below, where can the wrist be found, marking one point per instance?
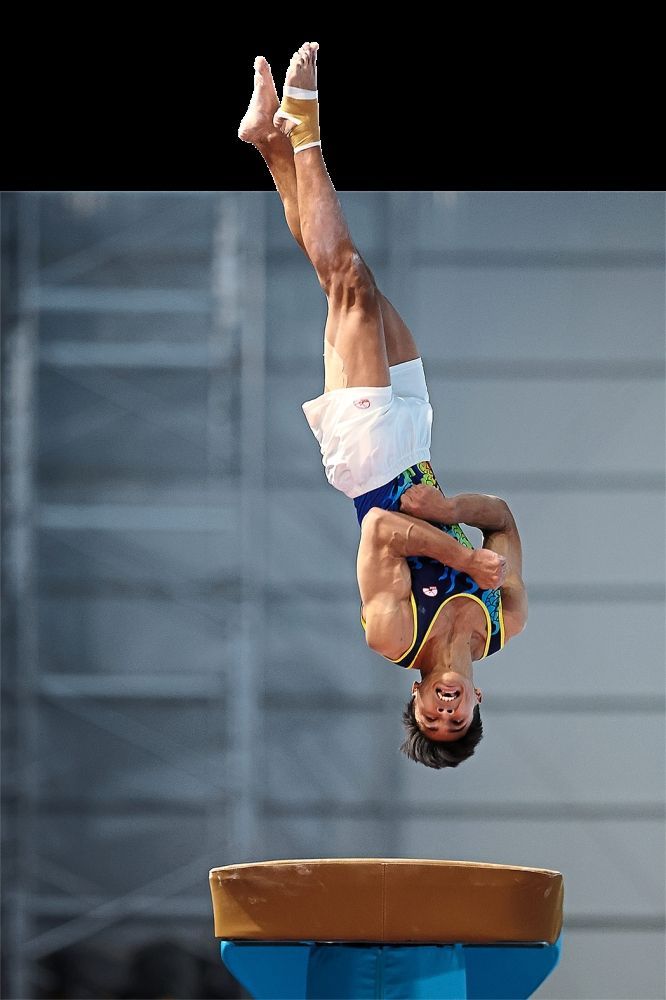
(467, 560)
(448, 511)
(453, 554)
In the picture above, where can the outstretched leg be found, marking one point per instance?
(257, 127)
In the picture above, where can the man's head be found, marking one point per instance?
(442, 720)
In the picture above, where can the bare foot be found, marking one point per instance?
(257, 122)
(302, 73)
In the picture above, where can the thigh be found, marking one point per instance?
(400, 344)
(354, 345)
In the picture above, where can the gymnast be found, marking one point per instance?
(373, 424)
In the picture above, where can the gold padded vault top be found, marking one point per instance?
(384, 901)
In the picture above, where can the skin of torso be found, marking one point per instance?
(460, 616)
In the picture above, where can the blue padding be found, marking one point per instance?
(310, 971)
(508, 972)
(343, 970)
(424, 972)
(268, 971)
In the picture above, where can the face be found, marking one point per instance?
(444, 706)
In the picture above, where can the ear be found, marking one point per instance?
(479, 695)
(415, 686)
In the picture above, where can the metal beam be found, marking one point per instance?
(142, 233)
(134, 517)
(156, 687)
(162, 687)
(562, 812)
(132, 355)
(240, 289)
(138, 735)
(527, 369)
(83, 298)
(20, 611)
(96, 918)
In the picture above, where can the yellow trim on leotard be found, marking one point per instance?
(500, 615)
(489, 627)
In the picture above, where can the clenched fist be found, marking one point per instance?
(488, 568)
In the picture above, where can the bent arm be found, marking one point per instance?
(402, 535)
(506, 542)
(410, 536)
(489, 513)
(481, 511)
(500, 536)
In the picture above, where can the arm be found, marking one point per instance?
(387, 538)
(486, 512)
(384, 581)
(493, 516)
(506, 542)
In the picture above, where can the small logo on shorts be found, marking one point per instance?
(430, 591)
(362, 404)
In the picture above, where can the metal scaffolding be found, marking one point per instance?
(50, 906)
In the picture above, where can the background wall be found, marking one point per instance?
(185, 679)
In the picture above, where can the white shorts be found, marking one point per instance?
(369, 435)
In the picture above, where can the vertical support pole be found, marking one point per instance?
(19, 554)
(239, 286)
(254, 515)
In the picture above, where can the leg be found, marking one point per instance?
(257, 128)
(354, 346)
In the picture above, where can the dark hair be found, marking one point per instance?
(437, 754)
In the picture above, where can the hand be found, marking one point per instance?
(426, 502)
(488, 568)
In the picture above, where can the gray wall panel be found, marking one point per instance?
(120, 635)
(590, 649)
(552, 756)
(116, 750)
(608, 965)
(537, 220)
(318, 647)
(503, 314)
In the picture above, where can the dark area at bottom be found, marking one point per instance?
(160, 970)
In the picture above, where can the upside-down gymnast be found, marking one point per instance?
(430, 600)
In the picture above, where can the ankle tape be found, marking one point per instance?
(302, 108)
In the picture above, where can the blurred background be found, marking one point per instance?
(185, 680)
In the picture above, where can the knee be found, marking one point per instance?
(347, 281)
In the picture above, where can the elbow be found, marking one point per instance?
(375, 525)
(514, 625)
(504, 515)
(373, 640)
(381, 528)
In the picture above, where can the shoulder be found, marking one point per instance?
(389, 625)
